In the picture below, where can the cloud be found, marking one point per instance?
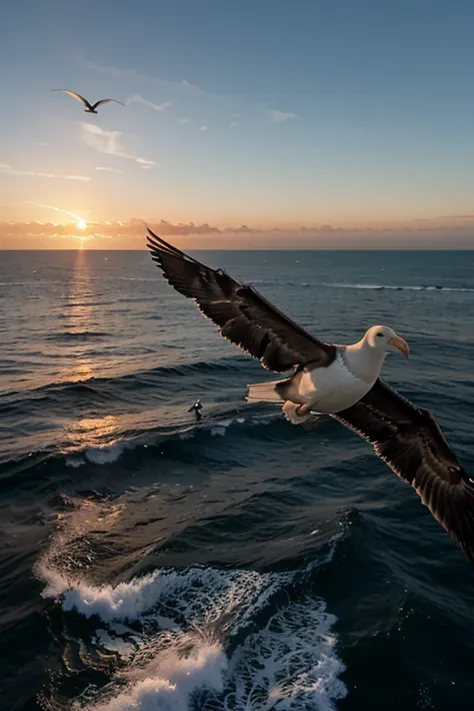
(186, 85)
(139, 99)
(458, 217)
(132, 227)
(105, 169)
(278, 116)
(464, 216)
(126, 73)
(183, 120)
(114, 71)
(234, 123)
(203, 128)
(130, 234)
(68, 213)
(108, 142)
(8, 170)
(42, 143)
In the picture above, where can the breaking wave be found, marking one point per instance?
(198, 638)
(208, 639)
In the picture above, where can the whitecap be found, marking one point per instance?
(105, 454)
(212, 639)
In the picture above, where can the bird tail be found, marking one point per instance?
(267, 392)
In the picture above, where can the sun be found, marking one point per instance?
(81, 224)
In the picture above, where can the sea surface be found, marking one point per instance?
(152, 562)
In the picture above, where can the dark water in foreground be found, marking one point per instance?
(150, 562)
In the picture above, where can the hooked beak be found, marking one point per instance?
(401, 345)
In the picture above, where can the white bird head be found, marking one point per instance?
(385, 339)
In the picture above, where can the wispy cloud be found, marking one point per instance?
(183, 120)
(68, 213)
(233, 124)
(203, 128)
(105, 169)
(278, 116)
(139, 99)
(114, 71)
(187, 85)
(458, 217)
(42, 143)
(127, 73)
(108, 142)
(462, 216)
(9, 170)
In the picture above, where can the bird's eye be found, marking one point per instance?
(380, 335)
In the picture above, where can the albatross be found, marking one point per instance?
(90, 108)
(342, 381)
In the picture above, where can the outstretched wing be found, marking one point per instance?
(106, 101)
(409, 440)
(244, 316)
(76, 96)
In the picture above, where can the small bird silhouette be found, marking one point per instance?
(90, 108)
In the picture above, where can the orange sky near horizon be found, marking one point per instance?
(451, 232)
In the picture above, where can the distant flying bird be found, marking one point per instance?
(339, 380)
(90, 108)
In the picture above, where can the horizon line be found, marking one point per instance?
(256, 249)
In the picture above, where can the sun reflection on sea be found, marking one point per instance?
(79, 320)
(97, 432)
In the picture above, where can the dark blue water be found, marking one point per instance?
(152, 562)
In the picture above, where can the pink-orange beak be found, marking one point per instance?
(401, 345)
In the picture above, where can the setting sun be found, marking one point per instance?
(81, 224)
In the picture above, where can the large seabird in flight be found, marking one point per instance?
(90, 108)
(342, 381)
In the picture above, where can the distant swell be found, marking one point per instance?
(208, 366)
(363, 285)
(393, 287)
(167, 440)
(76, 335)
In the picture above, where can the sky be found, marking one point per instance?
(262, 123)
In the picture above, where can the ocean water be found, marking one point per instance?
(152, 562)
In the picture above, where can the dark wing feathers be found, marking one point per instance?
(76, 96)
(243, 315)
(409, 440)
(106, 101)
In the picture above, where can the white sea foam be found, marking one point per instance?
(106, 454)
(74, 462)
(211, 639)
(110, 453)
(168, 682)
(202, 636)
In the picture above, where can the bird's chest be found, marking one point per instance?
(332, 389)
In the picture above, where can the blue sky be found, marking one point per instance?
(272, 113)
